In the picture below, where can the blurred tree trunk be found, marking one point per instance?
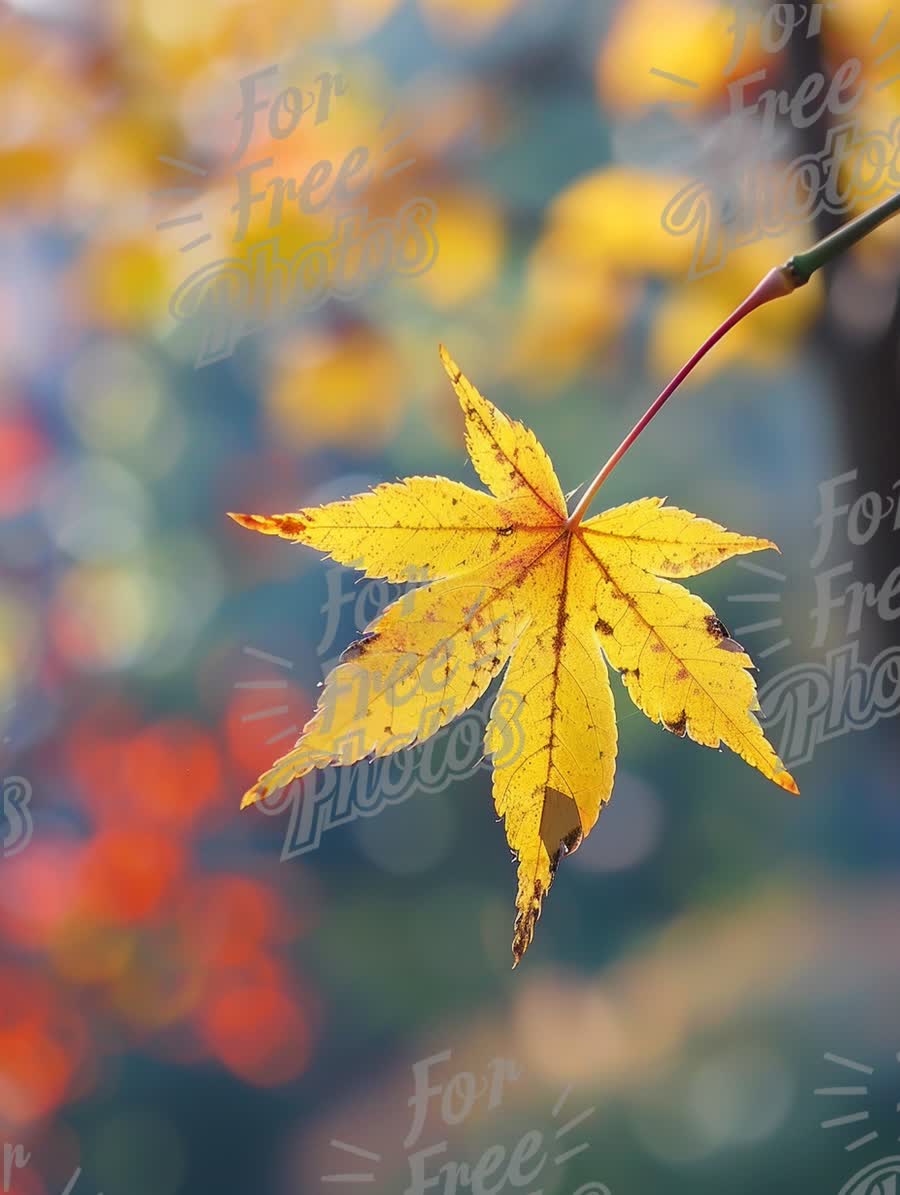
(863, 367)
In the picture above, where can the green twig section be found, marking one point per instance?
(783, 280)
(802, 266)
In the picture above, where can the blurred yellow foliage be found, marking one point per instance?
(612, 217)
(342, 388)
(694, 43)
(867, 29)
(121, 282)
(471, 240)
(572, 310)
(602, 236)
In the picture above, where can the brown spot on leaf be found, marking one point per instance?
(716, 628)
(679, 726)
(505, 530)
(681, 674)
(291, 525)
(358, 648)
(602, 626)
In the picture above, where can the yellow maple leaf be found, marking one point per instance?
(511, 582)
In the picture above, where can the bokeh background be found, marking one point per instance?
(180, 1009)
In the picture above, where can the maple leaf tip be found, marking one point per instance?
(243, 520)
(288, 526)
(786, 781)
(454, 373)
